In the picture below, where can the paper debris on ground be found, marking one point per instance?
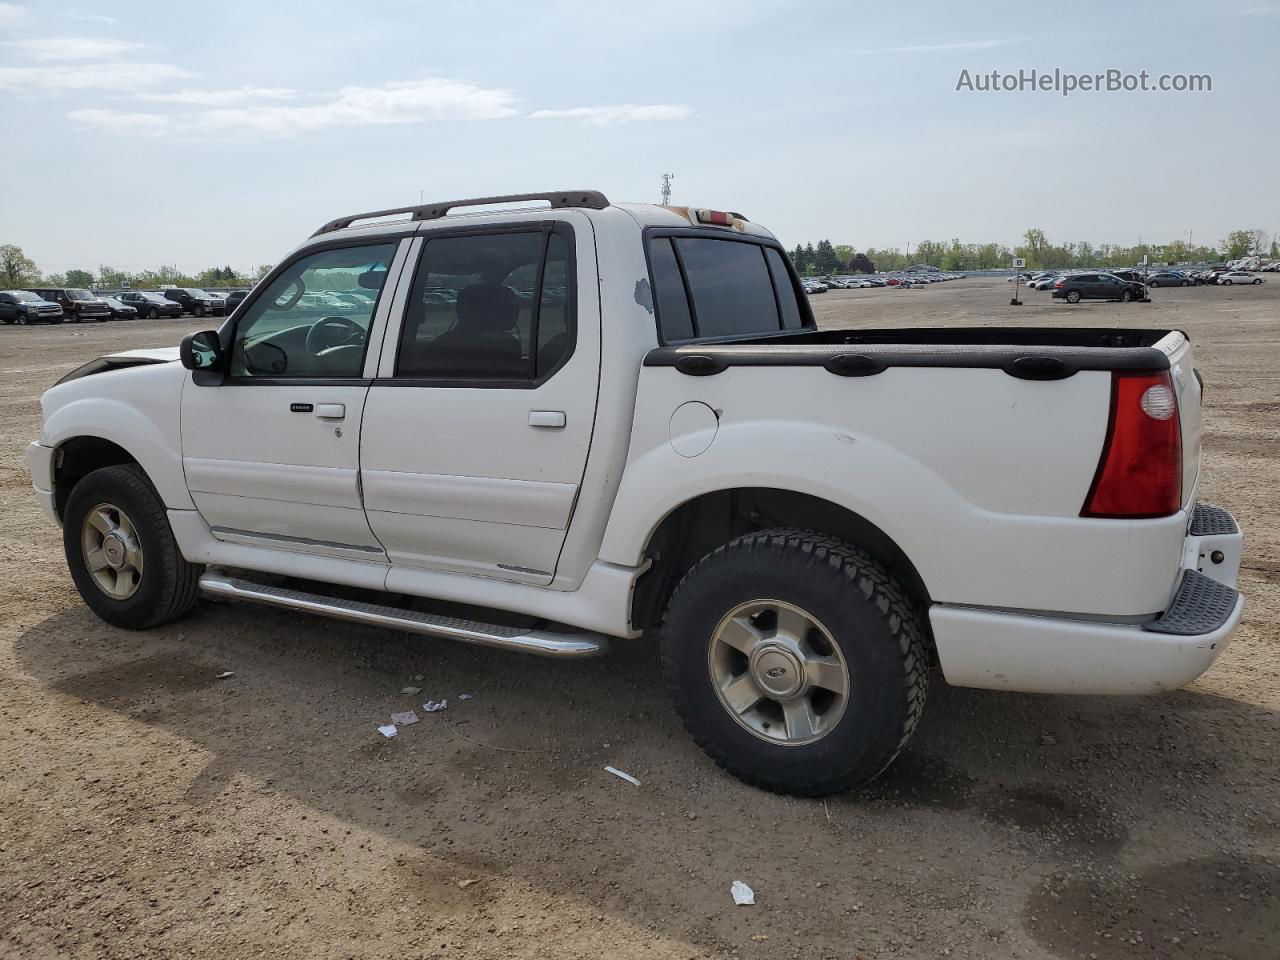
(466, 883)
(224, 675)
(406, 719)
(435, 706)
(464, 696)
(743, 895)
(622, 775)
(411, 691)
(759, 937)
(388, 730)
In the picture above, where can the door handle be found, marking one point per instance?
(331, 411)
(547, 418)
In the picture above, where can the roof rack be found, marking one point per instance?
(592, 199)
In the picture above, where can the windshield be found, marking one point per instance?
(79, 295)
(196, 292)
(22, 296)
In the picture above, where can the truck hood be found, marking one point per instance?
(122, 360)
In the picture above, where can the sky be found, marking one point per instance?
(201, 134)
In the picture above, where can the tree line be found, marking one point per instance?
(825, 258)
(18, 270)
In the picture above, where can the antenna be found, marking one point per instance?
(666, 188)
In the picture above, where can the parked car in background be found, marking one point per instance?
(1045, 283)
(120, 310)
(23, 307)
(77, 304)
(150, 305)
(1131, 276)
(195, 301)
(233, 299)
(1238, 276)
(1167, 278)
(1098, 286)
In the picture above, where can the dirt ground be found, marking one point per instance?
(148, 809)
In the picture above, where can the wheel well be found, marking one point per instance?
(79, 457)
(697, 527)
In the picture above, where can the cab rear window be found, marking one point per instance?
(705, 287)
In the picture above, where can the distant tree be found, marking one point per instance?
(1036, 245)
(844, 254)
(825, 260)
(860, 264)
(1275, 248)
(79, 278)
(55, 280)
(265, 268)
(1258, 240)
(1237, 244)
(113, 279)
(16, 268)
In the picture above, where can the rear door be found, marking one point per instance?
(478, 425)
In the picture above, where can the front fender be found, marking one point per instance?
(138, 409)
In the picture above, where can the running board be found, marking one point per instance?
(541, 642)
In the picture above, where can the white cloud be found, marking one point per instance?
(73, 48)
(12, 13)
(121, 121)
(936, 47)
(91, 76)
(90, 17)
(220, 98)
(411, 101)
(610, 116)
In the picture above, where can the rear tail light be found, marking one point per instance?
(1140, 471)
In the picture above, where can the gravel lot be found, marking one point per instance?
(150, 810)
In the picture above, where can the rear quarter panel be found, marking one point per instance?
(978, 476)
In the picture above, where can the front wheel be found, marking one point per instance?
(1126, 296)
(1226, 283)
(22, 319)
(199, 312)
(153, 314)
(1073, 296)
(795, 661)
(121, 552)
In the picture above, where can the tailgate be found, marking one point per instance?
(1187, 386)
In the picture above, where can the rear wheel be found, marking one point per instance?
(121, 552)
(795, 661)
(1073, 296)
(1256, 281)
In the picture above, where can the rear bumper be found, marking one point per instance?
(1041, 653)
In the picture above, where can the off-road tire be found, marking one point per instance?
(169, 584)
(880, 632)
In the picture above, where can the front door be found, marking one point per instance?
(477, 428)
(272, 451)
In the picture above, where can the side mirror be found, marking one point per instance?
(202, 351)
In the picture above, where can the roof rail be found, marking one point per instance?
(593, 199)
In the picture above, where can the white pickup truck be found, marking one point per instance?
(541, 428)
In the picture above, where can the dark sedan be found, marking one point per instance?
(150, 305)
(120, 310)
(1167, 278)
(1098, 286)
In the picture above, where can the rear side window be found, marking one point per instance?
(489, 307)
(668, 292)
(708, 287)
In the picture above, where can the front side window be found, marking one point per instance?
(488, 307)
(299, 327)
(708, 287)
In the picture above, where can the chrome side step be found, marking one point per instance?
(216, 583)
